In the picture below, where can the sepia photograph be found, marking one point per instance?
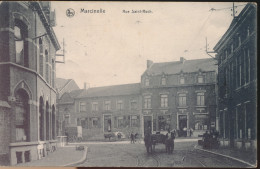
(128, 84)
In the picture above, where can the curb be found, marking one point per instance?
(233, 158)
(80, 161)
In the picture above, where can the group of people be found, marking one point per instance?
(133, 137)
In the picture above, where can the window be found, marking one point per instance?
(200, 99)
(47, 66)
(133, 105)
(120, 122)
(239, 41)
(41, 56)
(163, 122)
(107, 105)
(248, 66)
(147, 102)
(119, 105)
(21, 46)
(82, 106)
(67, 119)
(164, 100)
(239, 71)
(146, 82)
(182, 80)
(200, 79)
(248, 31)
(163, 81)
(182, 99)
(135, 121)
(95, 122)
(84, 123)
(94, 106)
(21, 116)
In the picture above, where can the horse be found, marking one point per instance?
(169, 143)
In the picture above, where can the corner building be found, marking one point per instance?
(27, 70)
(179, 95)
(237, 79)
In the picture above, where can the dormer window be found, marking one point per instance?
(182, 80)
(146, 83)
(163, 81)
(200, 79)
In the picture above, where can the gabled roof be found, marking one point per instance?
(116, 90)
(69, 97)
(61, 83)
(187, 66)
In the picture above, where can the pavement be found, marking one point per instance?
(246, 157)
(68, 156)
(63, 156)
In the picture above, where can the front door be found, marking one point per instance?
(147, 124)
(107, 123)
(182, 125)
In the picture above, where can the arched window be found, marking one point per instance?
(53, 123)
(22, 116)
(21, 46)
(41, 56)
(41, 119)
(47, 65)
(47, 121)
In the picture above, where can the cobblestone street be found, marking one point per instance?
(134, 155)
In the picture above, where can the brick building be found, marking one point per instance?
(27, 70)
(179, 95)
(237, 78)
(104, 109)
(171, 95)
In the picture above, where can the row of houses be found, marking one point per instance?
(237, 80)
(178, 95)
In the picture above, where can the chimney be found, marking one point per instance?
(149, 63)
(85, 85)
(182, 60)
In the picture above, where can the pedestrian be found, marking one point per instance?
(132, 137)
(119, 135)
(191, 132)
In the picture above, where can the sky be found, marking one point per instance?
(112, 48)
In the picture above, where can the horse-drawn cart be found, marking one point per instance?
(153, 139)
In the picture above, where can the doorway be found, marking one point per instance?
(147, 124)
(182, 125)
(107, 123)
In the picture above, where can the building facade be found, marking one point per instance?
(237, 79)
(27, 70)
(179, 96)
(106, 109)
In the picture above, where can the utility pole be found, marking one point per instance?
(233, 9)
